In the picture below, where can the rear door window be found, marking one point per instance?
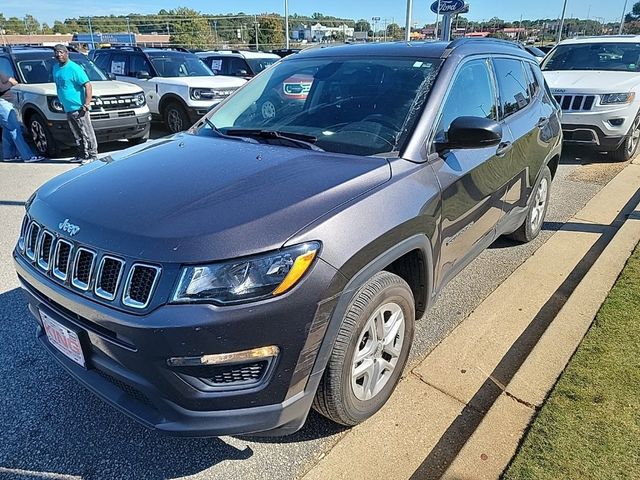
(102, 61)
(119, 64)
(512, 84)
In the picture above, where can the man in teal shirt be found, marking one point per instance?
(75, 94)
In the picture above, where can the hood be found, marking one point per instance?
(100, 88)
(212, 81)
(192, 199)
(585, 81)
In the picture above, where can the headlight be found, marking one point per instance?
(55, 105)
(201, 93)
(139, 99)
(246, 279)
(617, 98)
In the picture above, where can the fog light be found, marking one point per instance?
(616, 122)
(223, 358)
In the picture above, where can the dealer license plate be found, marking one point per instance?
(63, 339)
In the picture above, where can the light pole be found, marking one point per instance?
(375, 21)
(407, 28)
(564, 9)
(286, 22)
(257, 25)
(622, 18)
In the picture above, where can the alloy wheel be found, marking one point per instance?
(39, 136)
(537, 212)
(377, 351)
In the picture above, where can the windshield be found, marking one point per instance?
(40, 70)
(178, 64)
(259, 64)
(347, 105)
(620, 57)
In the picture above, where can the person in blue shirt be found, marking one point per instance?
(75, 94)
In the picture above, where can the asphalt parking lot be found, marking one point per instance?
(53, 428)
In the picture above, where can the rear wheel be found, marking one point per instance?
(41, 136)
(176, 118)
(537, 209)
(629, 147)
(370, 351)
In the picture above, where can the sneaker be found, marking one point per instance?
(89, 160)
(35, 158)
(14, 159)
(77, 160)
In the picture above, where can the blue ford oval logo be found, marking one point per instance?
(447, 6)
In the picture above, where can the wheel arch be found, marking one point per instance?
(167, 99)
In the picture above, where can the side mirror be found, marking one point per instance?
(111, 76)
(472, 132)
(143, 75)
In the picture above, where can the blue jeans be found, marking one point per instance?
(13, 143)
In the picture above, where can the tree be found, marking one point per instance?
(270, 33)
(189, 29)
(362, 26)
(394, 32)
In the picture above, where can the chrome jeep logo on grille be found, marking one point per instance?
(70, 228)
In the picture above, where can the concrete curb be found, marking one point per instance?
(463, 410)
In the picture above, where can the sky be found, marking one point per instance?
(50, 10)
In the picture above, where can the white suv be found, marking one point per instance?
(118, 109)
(596, 81)
(179, 87)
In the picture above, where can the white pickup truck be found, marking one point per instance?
(596, 81)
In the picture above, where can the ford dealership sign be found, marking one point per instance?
(448, 6)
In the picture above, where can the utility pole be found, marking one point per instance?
(129, 31)
(435, 32)
(407, 28)
(564, 10)
(286, 23)
(385, 29)
(622, 18)
(256, 25)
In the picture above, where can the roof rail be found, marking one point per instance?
(175, 49)
(10, 48)
(134, 48)
(464, 40)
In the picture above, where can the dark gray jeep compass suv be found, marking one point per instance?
(225, 279)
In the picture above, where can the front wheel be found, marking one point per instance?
(41, 136)
(370, 351)
(537, 211)
(176, 118)
(629, 147)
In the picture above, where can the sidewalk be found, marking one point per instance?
(461, 413)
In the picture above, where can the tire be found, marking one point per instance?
(629, 147)
(41, 136)
(175, 118)
(268, 109)
(346, 393)
(537, 211)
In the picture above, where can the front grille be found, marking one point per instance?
(108, 277)
(97, 274)
(99, 116)
(129, 113)
(32, 240)
(142, 279)
(82, 268)
(113, 102)
(575, 102)
(23, 233)
(61, 259)
(44, 252)
(236, 374)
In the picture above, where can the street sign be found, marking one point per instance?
(448, 6)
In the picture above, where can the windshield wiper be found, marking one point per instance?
(299, 139)
(219, 132)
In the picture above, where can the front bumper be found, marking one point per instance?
(106, 129)
(126, 356)
(604, 129)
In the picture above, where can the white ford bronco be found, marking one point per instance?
(179, 87)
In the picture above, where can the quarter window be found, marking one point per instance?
(472, 94)
(514, 93)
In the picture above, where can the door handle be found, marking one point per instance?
(503, 148)
(542, 122)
